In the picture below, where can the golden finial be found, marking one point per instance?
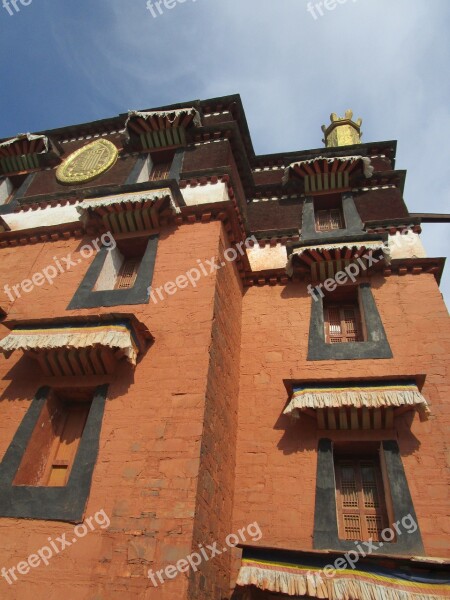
(342, 131)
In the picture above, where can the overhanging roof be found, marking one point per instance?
(328, 165)
(339, 252)
(27, 151)
(125, 213)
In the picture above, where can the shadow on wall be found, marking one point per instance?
(299, 435)
(26, 378)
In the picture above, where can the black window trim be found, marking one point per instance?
(66, 503)
(85, 297)
(326, 535)
(375, 347)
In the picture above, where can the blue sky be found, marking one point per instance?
(69, 61)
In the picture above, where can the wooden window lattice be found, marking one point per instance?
(64, 448)
(329, 220)
(160, 171)
(360, 500)
(342, 324)
(128, 273)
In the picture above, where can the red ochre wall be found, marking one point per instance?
(147, 474)
(164, 473)
(277, 457)
(218, 455)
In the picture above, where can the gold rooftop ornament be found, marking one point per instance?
(87, 162)
(342, 131)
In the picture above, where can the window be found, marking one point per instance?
(361, 490)
(328, 213)
(329, 220)
(342, 317)
(121, 266)
(127, 274)
(360, 498)
(160, 171)
(51, 451)
(162, 163)
(348, 314)
(119, 276)
(342, 324)
(46, 472)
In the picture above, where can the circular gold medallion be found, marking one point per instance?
(88, 162)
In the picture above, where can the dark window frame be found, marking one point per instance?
(86, 297)
(352, 224)
(326, 535)
(375, 345)
(66, 503)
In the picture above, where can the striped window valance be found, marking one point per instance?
(296, 579)
(75, 349)
(362, 406)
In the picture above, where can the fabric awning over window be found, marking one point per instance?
(374, 397)
(117, 337)
(328, 165)
(369, 583)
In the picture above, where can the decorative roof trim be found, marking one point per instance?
(130, 198)
(302, 168)
(27, 137)
(27, 152)
(132, 212)
(164, 119)
(344, 251)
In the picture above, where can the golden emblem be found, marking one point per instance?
(87, 162)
